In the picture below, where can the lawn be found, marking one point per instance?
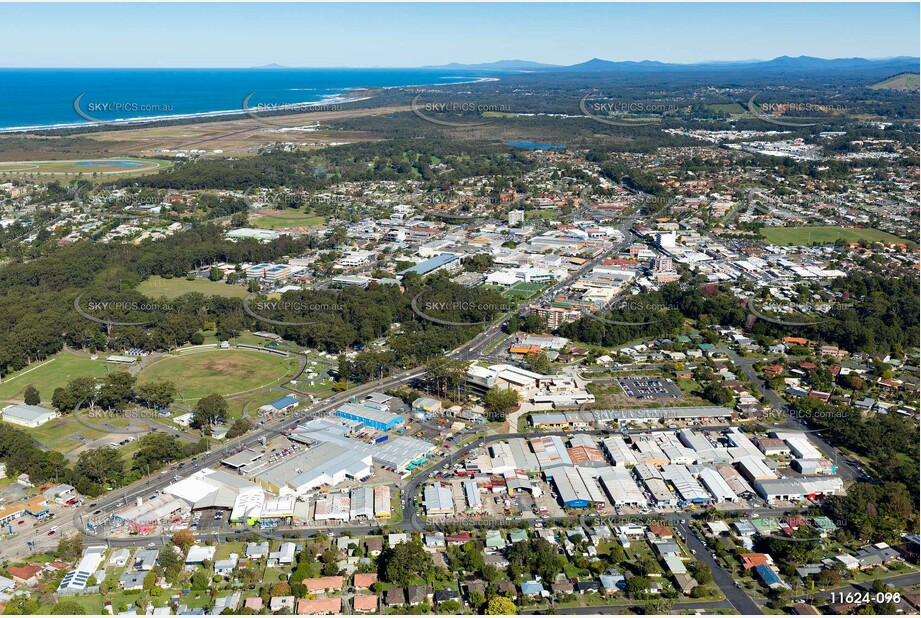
(805, 236)
(157, 286)
(277, 220)
(225, 372)
(49, 374)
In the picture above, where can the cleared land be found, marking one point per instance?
(806, 236)
(157, 286)
(225, 372)
(902, 81)
(52, 373)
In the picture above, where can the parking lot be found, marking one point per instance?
(649, 388)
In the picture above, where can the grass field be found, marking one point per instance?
(225, 372)
(522, 290)
(51, 374)
(157, 286)
(276, 220)
(824, 234)
(122, 165)
(903, 81)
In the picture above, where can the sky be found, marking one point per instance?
(410, 35)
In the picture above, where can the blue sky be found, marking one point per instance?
(406, 35)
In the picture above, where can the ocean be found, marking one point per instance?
(56, 98)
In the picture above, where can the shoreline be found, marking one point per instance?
(122, 123)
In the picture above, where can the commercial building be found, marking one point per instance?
(438, 500)
(324, 464)
(369, 416)
(445, 261)
(26, 415)
(795, 490)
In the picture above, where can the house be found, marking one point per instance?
(561, 587)
(374, 545)
(230, 601)
(684, 582)
(661, 531)
(750, 561)
(435, 540)
(132, 581)
(533, 588)
(318, 606)
(146, 559)
(507, 589)
(199, 553)
(28, 575)
(225, 567)
(443, 596)
(418, 594)
(317, 585)
(664, 549)
(395, 597)
(254, 603)
(587, 586)
(119, 557)
(769, 577)
(848, 562)
(257, 551)
(364, 581)
(364, 603)
(612, 582)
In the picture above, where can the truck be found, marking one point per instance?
(380, 439)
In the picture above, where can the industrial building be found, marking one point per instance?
(326, 463)
(26, 415)
(370, 416)
(438, 500)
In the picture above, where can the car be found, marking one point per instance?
(21, 522)
(50, 532)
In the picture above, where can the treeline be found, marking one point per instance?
(37, 297)
(876, 314)
(95, 469)
(440, 160)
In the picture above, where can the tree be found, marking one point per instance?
(70, 547)
(209, 410)
(157, 395)
(101, 466)
(32, 398)
(405, 561)
(637, 586)
(500, 401)
(537, 362)
(117, 389)
(238, 428)
(501, 606)
(183, 539)
(67, 606)
(476, 599)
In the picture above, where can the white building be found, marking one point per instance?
(27, 416)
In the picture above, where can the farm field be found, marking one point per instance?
(903, 81)
(157, 286)
(50, 374)
(825, 234)
(225, 372)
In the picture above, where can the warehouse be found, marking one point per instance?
(801, 447)
(794, 490)
(25, 415)
(652, 415)
(754, 469)
(398, 453)
(438, 500)
(576, 487)
(370, 417)
(550, 452)
(333, 506)
(811, 467)
(620, 453)
(324, 464)
(736, 483)
(621, 488)
(685, 484)
(362, 503)
(444, 261)
(382, 501)
(742, 445)
(659, 492)
(717, 485)
(649, 452)
(472, 494)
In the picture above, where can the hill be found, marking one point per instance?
(902, 81)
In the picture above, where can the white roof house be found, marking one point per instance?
(27, 416)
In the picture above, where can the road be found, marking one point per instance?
(736, 597)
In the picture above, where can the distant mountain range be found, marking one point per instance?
(783, 63)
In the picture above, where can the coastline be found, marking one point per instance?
(339, 98)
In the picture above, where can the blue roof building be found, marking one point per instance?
(433, 264)
(370, 417)
(769, 576)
